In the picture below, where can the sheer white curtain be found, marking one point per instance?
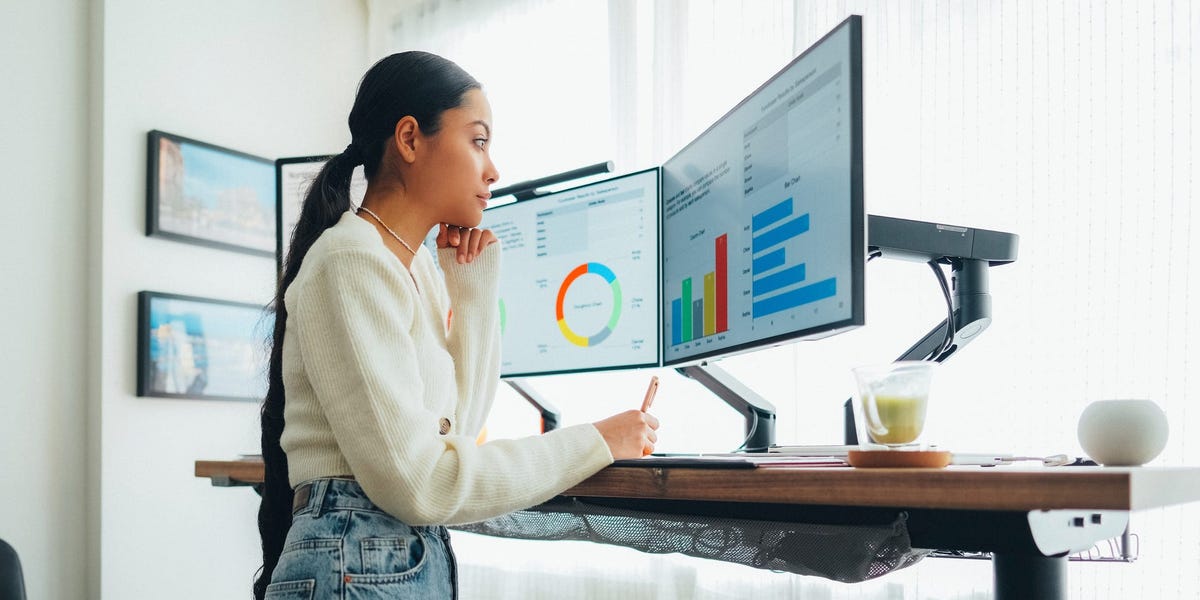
(543, 64)
(1068, 122)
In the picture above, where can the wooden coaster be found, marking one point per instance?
(891, 459)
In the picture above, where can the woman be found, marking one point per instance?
(383, 371)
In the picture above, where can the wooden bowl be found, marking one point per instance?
(894, 459)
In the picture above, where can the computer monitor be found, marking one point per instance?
(579, 281)
(293, 177)
(763, 223)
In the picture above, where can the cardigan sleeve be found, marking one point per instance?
(353, 316)
(473, 338)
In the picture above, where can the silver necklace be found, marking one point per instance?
(389, 229)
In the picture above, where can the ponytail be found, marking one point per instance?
(327, 199)
(419, 84)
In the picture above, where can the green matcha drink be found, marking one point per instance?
(903, 416)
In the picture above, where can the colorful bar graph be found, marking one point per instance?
(704, 312)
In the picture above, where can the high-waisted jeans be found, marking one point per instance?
(342, 546)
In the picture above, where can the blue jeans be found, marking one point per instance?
(341, 545)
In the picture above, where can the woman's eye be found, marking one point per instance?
(480, 142)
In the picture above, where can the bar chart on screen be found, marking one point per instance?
(703, 310)
(776, 276)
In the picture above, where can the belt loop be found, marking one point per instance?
(318, 496)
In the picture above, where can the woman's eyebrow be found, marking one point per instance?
(486, 128)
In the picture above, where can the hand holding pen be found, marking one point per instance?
(631, 434)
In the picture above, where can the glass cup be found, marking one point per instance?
(891, 403)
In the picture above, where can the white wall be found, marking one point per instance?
(43, 241)
(272, 78)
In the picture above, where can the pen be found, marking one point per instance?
(650, 391)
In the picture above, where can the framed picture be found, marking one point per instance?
(208, 195)
(191, 347)
(293, 178)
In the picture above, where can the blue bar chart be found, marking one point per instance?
(778, 284)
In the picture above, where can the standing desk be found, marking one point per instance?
(1029, 518)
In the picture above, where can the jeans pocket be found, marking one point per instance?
(303, 559)
(428, 577)
(291, 590)
(392, 556)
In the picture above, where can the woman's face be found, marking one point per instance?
(458, 168)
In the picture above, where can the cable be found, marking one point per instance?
(948, 341)
(753, 428)
(951, 329)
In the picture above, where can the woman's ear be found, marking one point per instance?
(405, 138)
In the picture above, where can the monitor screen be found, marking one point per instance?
(762, 214)
(579, 282)
(293, 177)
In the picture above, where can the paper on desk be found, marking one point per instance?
(783, 460)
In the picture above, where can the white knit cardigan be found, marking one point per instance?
(373, 376)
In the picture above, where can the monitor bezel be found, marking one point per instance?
(857, 214)
(657, 333)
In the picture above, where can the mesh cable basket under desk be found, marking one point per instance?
(846, 553)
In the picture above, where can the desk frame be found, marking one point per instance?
(1029, 518)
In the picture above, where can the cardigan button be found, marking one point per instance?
(444, 426)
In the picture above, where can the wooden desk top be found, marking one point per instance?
(1006, 488)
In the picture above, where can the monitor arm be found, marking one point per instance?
(969, 252)
(549, 413)
(758, 412)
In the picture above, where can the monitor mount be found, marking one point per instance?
(758, 412)
(968, 251)
(549, 413)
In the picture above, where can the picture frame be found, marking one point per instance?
(204, 194)
(293, 178)
(202, 348)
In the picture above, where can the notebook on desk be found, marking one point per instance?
(838, 450)
(729, 461)
(695, 461)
